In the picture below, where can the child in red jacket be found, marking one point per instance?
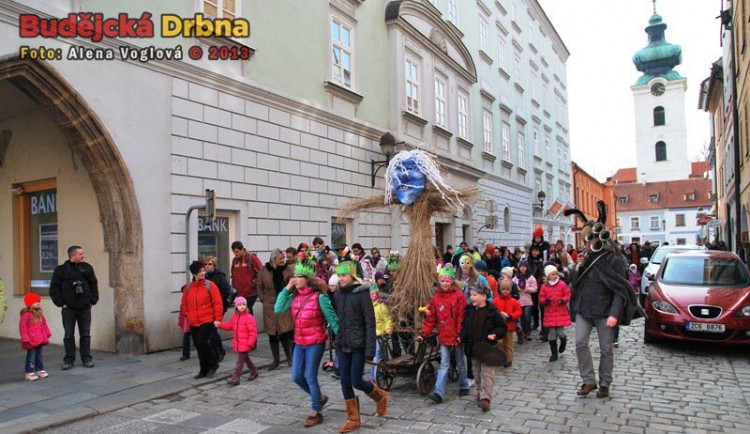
(510, 309)
(35, 335)
(446, 312)
(242, 324)
(554, 297)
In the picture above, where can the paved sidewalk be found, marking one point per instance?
(117, 381)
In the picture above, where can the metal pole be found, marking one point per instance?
(190, 210)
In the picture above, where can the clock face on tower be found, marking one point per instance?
(657, 89)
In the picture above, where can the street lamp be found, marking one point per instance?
(387, 147)
(541, 196)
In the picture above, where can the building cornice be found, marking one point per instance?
(545, 22)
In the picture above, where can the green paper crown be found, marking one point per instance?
(304, 266)
(347, 267)
(393, 260)
(448, 271)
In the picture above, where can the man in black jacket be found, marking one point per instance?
(75, 289)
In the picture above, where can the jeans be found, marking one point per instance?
(305, 363)
(583, 353)
(377, 359)
(351, 368)
(526, 318)
(445, 363)
(186, 345)
(83, 318)
(201, 336)
(34, 360)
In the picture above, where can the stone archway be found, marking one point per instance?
(113, 186)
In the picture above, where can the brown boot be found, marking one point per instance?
(352, 415)
(314, 420)
(521, 337)
(380, 397)
(287, 350)
(275, 352)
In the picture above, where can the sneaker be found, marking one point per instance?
(42, 374)
(463, 392)
(335, 376)
(437, 399)
(67, 366)
(31, 377)
(88, 364)
(470, 382)
(616, 344)
(232, 382)
(484, 404)
(603, 392)
(253, 376)
(183, 358)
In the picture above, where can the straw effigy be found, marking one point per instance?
(414, 282)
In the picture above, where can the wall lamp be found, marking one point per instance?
(387, 146)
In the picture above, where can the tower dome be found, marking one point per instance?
(659, 57)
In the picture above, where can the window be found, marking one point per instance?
(690, 196)
(513, 11)
(412, 86)
(341, 41)
(483, 41)
(679, 220)
(635, 224)
(487, 128)
(521, 138)
(221, 8)
(463, 115)
(440, 102)
(537, 144)
(546, 147)
(340, 232)
(680, 241)
(502, 54)
(653, 198)
(658, 116)
(654, 220)
(661, 151)
(37, 230)
(617, 222)
(453, 12)
(506, 141)
(506, 219)
(623, 200)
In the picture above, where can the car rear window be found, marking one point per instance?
(704, 271)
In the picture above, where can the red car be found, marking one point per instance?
(699, 296)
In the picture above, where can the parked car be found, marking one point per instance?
(699, 296)
(655, 261)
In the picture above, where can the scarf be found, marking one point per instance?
(278, 278)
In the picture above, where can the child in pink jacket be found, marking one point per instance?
(554, 297)
(35, 335)
(245, 336)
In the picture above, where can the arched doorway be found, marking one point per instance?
(118, 208)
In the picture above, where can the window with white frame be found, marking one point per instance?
(538, 183)
(221, 8)
(440, 102)
(463, 115)
(487, 128)
(654, 222)
(506, 141)
(546, 147)
(513, 11)
(341, 59)
(635, 224)
(521, 138)
(537, 144)
(412, 86)
(483, 40)
(617, 222)
(502, 55)
(453, 12)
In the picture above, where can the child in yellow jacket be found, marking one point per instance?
(383, 325)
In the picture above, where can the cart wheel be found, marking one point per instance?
(453, 374)
(426, 378)
(383, 379)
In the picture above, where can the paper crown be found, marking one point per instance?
(346, 265)
(304, 265)
(447, 271)
(393, 260)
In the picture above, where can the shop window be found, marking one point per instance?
(214, 240)
(341, 231)
(37, 248)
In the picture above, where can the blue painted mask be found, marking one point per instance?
(409, 182)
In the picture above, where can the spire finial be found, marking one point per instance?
(654, 6)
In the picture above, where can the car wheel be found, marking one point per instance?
(648, 338)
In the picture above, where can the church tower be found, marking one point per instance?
(659, 96)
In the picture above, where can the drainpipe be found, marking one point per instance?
(739, 249)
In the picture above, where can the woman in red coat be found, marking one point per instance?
(202, 305)
(554, 297)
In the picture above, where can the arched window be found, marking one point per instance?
(658, 116)
(661, 151)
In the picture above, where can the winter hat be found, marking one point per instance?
(31, 298)
(379, 275)
(334, 280)
(508, 271)
(549, 269)
(524, 263)
(538, 232)
(633, 268)
(240, 300)
(480, 265)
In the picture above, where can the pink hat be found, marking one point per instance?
(240, 300)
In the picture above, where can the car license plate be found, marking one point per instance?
(705, 327)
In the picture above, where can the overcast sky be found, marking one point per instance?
(602, 37)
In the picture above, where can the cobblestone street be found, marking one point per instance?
(685, 388)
